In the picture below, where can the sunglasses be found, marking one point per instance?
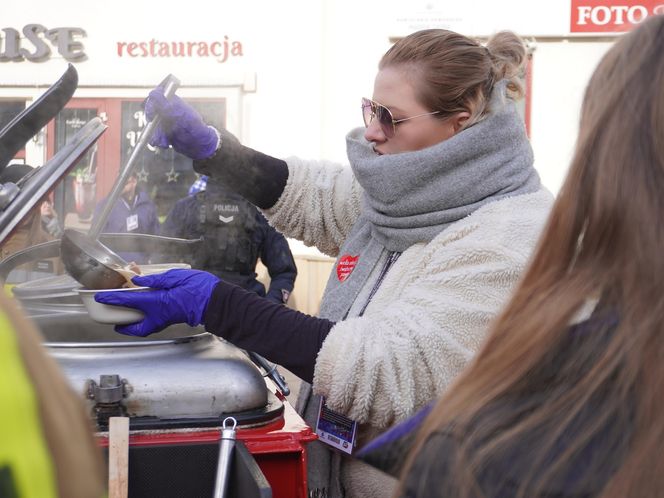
(373, 110)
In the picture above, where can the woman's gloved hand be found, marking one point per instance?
(178, 296)
(180, 126)
(259, 178)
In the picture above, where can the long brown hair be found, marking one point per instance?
(453, 73)
(604, 238)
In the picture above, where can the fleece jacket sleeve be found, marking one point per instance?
(319, 204)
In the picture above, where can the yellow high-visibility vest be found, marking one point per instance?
(26, 466)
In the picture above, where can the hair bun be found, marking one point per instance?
(508, 55)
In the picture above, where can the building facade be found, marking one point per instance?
(286, 78)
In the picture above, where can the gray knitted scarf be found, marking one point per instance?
(412, 196)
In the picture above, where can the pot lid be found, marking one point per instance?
(47, 288)
(21, 193)
(27, 123)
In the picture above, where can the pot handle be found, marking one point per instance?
(226, 446)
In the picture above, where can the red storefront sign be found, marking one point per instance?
(611, 16)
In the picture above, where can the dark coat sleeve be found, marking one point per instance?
(432, 475)
(179, 218)
(283, 335)
(175, 221)
(276, 255)
(259, 178)
(429, 474)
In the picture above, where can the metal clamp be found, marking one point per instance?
(108, 396)
(111, 389)
(271, 372)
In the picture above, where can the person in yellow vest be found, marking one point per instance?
(47, 449)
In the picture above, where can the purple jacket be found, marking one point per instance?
(141, 217)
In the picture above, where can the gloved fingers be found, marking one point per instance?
(155, 103)
(168, 279)
(138, 329)
(140, 300)
(165, 280)
(172, 109)
(160, 138)
(132, 329)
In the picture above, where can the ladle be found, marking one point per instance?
(85, 258)
(92, 263)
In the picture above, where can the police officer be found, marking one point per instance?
(235, 236)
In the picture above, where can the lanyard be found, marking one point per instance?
(391, 259)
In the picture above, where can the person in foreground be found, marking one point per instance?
(431, 225)
(564, 399)
(47, 449)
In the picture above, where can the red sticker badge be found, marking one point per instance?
(345, 266)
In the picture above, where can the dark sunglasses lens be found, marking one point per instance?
(367, 111)
(371, 110)
(385, 119)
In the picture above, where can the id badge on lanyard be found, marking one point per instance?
(132, 222)
(335, 429)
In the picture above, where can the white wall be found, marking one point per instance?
(561, 71)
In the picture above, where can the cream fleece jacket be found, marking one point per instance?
(431, 312)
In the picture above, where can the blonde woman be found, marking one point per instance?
(431, 225)
(564, 399)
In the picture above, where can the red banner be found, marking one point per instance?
(611, 16)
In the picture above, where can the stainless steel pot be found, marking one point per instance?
(197, 376)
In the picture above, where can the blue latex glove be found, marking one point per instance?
(179, 296)
(180, 126)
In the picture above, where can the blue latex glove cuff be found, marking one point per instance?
(178, 296)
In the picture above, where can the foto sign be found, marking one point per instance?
(611, 16)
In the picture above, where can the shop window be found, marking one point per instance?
(76, 193)
(9, 109)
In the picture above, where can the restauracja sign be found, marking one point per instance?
(37, 41)
(218, 50)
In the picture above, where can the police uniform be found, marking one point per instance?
(235, 236)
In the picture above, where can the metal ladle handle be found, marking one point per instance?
(170, 84)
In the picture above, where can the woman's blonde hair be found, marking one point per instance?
(453, 73)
